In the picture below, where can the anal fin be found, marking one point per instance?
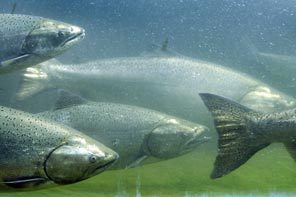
(291, 148)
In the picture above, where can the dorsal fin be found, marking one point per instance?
(68, 99)
(13, 8)
(164, 46)
(163, 50)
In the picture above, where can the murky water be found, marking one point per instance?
(231, 33)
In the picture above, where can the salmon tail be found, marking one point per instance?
(237, 140)
(33, 80)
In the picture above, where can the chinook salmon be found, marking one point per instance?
(36, 151)
(167, 84)
(242, 132)
(134, 133)
(28, 40)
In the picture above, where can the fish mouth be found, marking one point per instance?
(103, 167)
(194, 142)
(74, 38)
(201, 136)
(99, 169)
(198, 141)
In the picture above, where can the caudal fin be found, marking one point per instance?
(237, 143)
(34, 80)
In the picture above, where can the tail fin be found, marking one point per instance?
(237, 142)
(33, 80)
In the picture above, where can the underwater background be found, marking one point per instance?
(227, 32)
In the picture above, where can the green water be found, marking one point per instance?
(270, 172)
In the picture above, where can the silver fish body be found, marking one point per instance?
(167, 84)
(37, 152)
(134, 133)
(28, 40)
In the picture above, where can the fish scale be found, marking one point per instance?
(167, 84)
(28, 40)
(134, 133)
(28, 151)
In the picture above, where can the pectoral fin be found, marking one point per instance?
(24, 181)
(14, 61)
(137, 161)
(291, 148)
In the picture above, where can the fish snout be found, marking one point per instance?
(107, 161)
(200, 129)
(75, 34)
(77, 31)
(201, 135)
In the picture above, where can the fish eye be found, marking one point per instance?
(60, 34)
(92, 159)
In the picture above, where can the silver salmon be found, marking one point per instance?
(37, 152)
(134, 133)
(28, 40)
(168, 84)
